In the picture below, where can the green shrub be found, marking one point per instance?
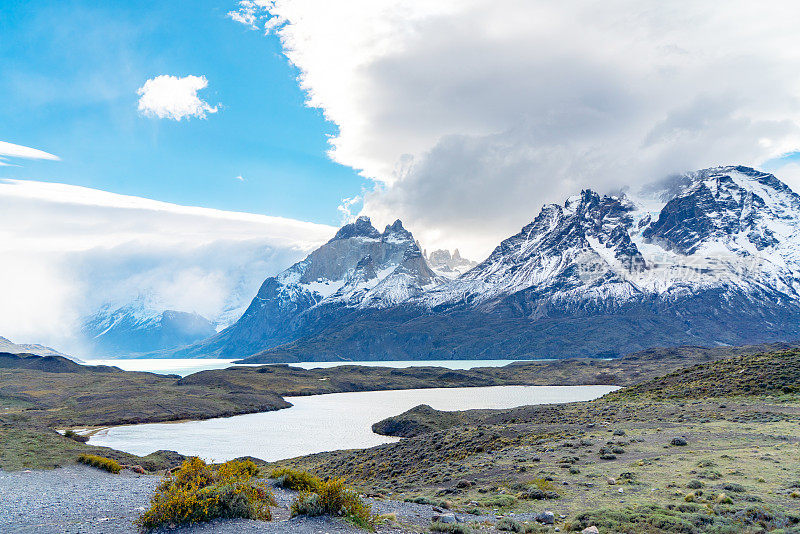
(734, 488)
(296, 480)
(421, 500)
(197, 492)
(538, 495)
(71, 434)
(332, 497)
(723, 499)
(500, 501)
(510, 525)
(112, 466)
(686, 518)
(710, 474)
(307, 504)
(452, 528)
(543, 484)
(634, 521)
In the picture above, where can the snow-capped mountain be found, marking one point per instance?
(448, 265)
(710, 257)
(359, 268)
(731, 229)
(137, 328)
(6, 345)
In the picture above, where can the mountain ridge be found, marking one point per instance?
(137, 328)
(711, 257)
(8, 346)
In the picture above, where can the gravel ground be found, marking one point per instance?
(72, 499)
(80, 499)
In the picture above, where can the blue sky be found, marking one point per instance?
(464, 117)
(71, 70)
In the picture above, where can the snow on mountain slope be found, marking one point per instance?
(581, 249)
(708, 257)
(359, 264)
(6, 345)
(358, 268)
(730, 228)
(137, 328)
(448, 265)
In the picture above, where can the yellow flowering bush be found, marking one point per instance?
(332, 497)
(296, 480)
(198, 492)
(112, 466)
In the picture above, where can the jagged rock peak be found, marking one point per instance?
(397, 232)
(361, 227)
(447, 264)
(412, 252)
(396, 226)
(440, 256)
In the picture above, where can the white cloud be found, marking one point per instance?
(10, 150)
(469, 114)
(345, 209)
(247, 13)
(239, 177)
(67, 250)
(171, 97)
(790, 174)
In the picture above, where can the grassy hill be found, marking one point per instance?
(714, 448)
(771, 373)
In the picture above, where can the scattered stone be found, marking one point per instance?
(546, 518)
(448, 518)
(679, 442)
(611, 481)
(445, 518)
(590, 530)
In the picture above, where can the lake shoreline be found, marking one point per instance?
(186, 366)
(323, 423)
(104, 396)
